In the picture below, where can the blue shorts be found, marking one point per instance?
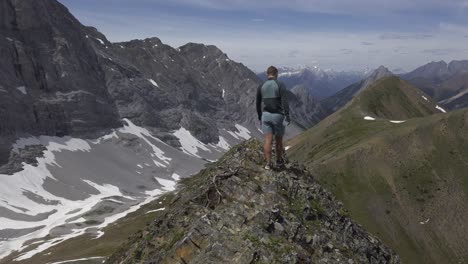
(273, 123)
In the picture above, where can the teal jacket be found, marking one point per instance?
(273, 95)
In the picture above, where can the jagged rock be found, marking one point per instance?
(27, 155)
(236, 212)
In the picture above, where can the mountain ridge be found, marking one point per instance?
(204, 226)
(445, 82)
(388, 168)
(341, 98)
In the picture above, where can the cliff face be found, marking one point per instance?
(236, 212)
(51, 79)
(60, 78)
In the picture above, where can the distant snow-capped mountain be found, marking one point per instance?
(321, 83)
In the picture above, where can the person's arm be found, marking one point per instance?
(259, 102)
(285, 102)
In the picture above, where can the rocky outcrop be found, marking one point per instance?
(236, 212)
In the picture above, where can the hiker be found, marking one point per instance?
(275, 111)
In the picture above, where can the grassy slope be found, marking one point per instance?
(393, 176)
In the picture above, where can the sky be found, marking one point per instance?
(332, 34)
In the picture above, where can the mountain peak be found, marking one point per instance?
(381, 71)
(376, 75)
(391, 98)
(236, 212)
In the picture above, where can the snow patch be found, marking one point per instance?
(175, 176)
(224, 93)
(397, 121)
(441, 109)
(425, 98)
(243, 132)
(424, 222)
(167, 185)
(190, 144)
(153, 82)
(113, 200)
(157, 210)
(222, 143)
(144, 134)
(99, 234)
(451, 99)
(22, 89)
(369, 118)
(76, 260)
(100, 41)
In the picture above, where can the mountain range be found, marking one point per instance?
(126, 152)
(445, 82)
(319, 82)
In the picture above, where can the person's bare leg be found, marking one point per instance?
(267, 147)
(279, 148)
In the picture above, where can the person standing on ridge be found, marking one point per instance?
(273, 94)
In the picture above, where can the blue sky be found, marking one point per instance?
(337, 34)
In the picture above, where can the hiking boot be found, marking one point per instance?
(280, 163)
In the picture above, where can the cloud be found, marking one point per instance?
(441, 52)
(333, 6)
(258, 20)
(293, 53)
(453, 28)
(346, 51)
(365, 43)
(398, 36)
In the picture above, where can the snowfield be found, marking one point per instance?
(76, 177)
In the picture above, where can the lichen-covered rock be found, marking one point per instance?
(236, 212)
